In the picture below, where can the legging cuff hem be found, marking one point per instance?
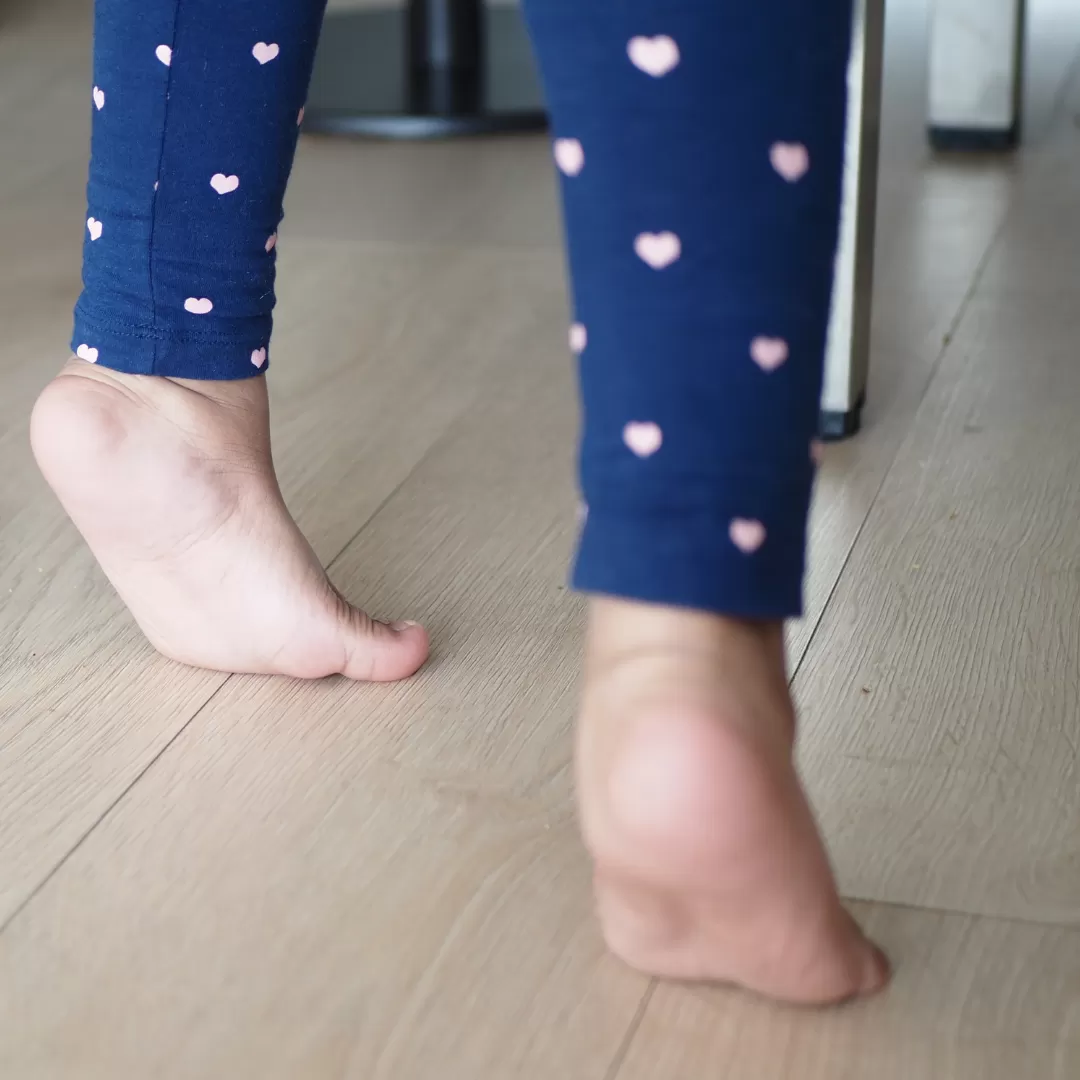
(705, 561)
(148, 352)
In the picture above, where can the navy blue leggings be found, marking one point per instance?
(700, 147)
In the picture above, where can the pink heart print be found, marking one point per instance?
(223, 184)
(790, 160)
(747, 535)
(164, 54)
(817, 452)
(265, 53)
(271, 243)
(769, 353)
(656, 56)
(658, 250)
(579, 338)
(99, 98)
(94, 227)
(198, 305)
(643, 438)
(84, 352)
(258, 357)
(300, 116)
(569, 156)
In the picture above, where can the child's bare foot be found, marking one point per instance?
(708, 861)
(172, 485)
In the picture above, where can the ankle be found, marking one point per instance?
(97, 433)
(638, 653)
(243, 394)
(221, 419)
(617, 625)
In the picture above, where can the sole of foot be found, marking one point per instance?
(172, 485)
(708, 862)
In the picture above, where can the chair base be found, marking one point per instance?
(365, 83)
(973, 140)
(836, 426)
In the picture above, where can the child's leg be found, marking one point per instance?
(156, 439)
(700, 144)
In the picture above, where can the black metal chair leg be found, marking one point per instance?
(438, 68)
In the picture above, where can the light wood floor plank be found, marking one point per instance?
(475, 542)
(275, 901)
(365, 389)
(974, 999)
(941, 694)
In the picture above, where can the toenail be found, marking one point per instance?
(401, 627)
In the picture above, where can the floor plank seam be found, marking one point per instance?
(149, 765)
(424, 247)
(931, 378)
(960, 913)
(25, 903)
(1062, 95)
(1057, 109)
(422, 460)
(623, 1051)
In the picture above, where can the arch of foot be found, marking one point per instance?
(670, 513)
(196, 112)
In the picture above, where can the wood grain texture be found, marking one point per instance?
(85, 704)
(974, 999)
(941, 693)
(274, 900)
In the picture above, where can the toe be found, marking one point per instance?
(876, 970)
(868, 966)
(378, 652)
(858, 968)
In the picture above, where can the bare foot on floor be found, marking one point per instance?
(708, 860)
(172, 485)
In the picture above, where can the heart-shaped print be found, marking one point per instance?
(817, 451)
(790, 160)
(265, 53)
(223, 184)
(99, 98)
(84, 352)
(644, 439)
(656, 56)
(300, 116)
(579, 338)
(747, 535)
(258, 357)
(569, 156)
(271, 243)
(769, 353)
(164, 54)
(658, 250)
(198, 305)
(94, 227)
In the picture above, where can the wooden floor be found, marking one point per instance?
(210, 878)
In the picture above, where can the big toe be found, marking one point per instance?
(852, 967)
(378, 652)
(876, 970)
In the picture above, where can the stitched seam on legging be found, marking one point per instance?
(185, 337)
(157, 178)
